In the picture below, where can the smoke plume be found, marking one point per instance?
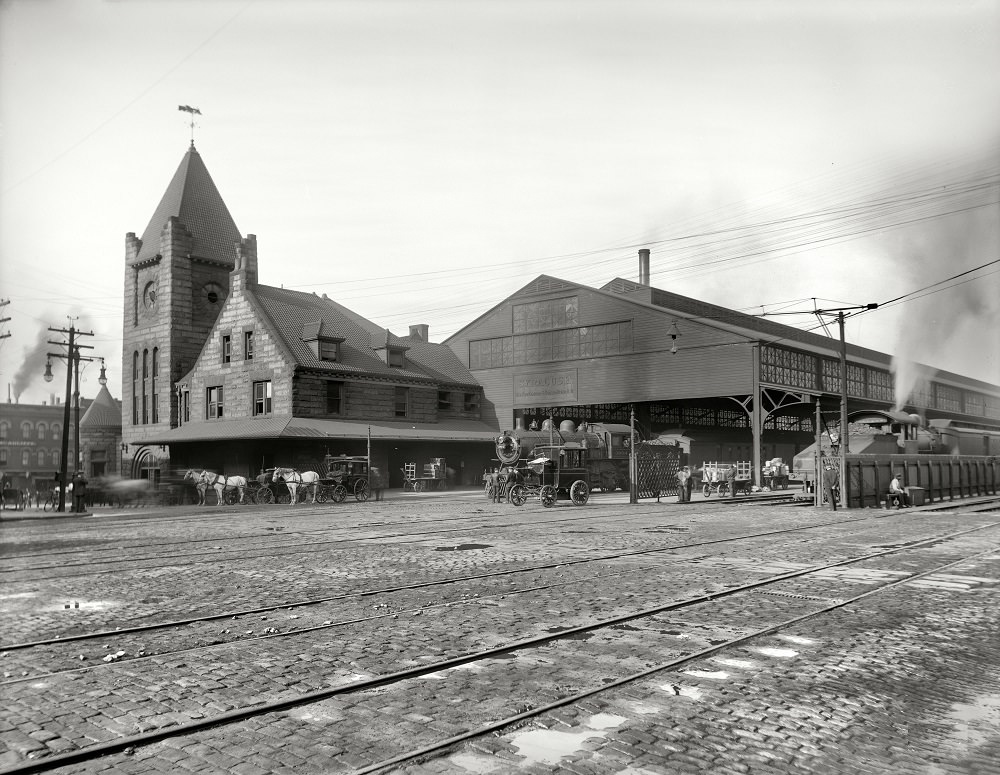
(954, 328)
(33, 361)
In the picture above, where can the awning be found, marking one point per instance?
(305, 428)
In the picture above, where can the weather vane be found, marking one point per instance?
(192, 111)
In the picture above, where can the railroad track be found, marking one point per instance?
(783, 607)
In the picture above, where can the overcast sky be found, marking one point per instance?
(420, 161)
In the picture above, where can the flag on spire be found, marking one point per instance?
(188, 109)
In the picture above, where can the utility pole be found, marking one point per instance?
(72, 357)
(844, 443)
(4, 303)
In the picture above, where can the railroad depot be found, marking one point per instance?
(225, 373)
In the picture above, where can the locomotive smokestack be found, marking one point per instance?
(644, 266)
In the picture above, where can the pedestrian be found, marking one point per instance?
(377, 482)
(831, 483)
(79, 492)
(896, 490)
(683, 490)
(731, 480)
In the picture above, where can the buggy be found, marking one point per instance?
(552, 470)
(351, 473)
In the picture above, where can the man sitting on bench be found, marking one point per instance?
(896, 491)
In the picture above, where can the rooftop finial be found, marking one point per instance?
(192, 111)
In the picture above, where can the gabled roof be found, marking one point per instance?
(103, 412)
(194, 200)
(291, 313)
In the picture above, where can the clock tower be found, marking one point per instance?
(176, 280)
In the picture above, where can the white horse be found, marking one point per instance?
(293, 480)
(205, 479)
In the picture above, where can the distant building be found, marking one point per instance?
(31, 443)
(222, 372)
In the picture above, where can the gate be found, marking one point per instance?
(656, 467)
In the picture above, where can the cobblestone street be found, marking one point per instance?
(442, 633)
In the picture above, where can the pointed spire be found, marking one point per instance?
(195, 202)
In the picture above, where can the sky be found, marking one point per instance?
(420, 161)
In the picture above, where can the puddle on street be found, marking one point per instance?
(733, 662)
(716, 675)
(797, 640)
(691, 692)
(975, 722)
(547, 746)
(773, 652)
(462, 547)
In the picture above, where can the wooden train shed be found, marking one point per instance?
(739, 387)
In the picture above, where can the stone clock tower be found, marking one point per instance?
(176, 280)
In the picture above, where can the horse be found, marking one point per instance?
(205, 479)
(293, 480)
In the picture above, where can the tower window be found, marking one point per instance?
(227, 348)
(248, 345)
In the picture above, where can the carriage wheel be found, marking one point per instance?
(361, 491)
(706, 490)
(547, 495)
(323, 493)
(283, 497)
(579, 493)
(418, 486)
(231, 496)
(339, 493)
(265, 495)
(518, 495)
(301, 494)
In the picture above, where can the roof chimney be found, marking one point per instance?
(421, 332)
(644, 266)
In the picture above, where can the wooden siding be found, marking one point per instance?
(709, 362)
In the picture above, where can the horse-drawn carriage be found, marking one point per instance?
(351, 473)
(551, 470)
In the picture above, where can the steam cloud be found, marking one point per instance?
(957, 325)
(33, 361)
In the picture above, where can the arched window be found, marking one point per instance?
(4, 428)
(41, 458)
(56, 429)
(42, 428)
(26, 430)
(55, 459)
(135, 388)
(26, 458)
(145, 386)
(153, 395)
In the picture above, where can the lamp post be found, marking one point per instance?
(72, 357)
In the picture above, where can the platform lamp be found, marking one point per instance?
(674, 333)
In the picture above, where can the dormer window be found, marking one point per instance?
(329, 349)
(323, 345)
(397, 357)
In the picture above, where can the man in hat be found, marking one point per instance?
(831, 483)
(896, 489)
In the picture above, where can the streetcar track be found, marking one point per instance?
(418, 585)
(259, 709)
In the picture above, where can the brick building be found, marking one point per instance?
(225, 373)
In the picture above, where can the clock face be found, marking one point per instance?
(211, 297)
(149, 295)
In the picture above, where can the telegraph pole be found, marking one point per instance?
(72, 357)
(4, 303)
(844, 444)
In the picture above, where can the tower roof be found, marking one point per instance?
(103, 412)
(195, 201)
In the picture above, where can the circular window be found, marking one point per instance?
(213, 297)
